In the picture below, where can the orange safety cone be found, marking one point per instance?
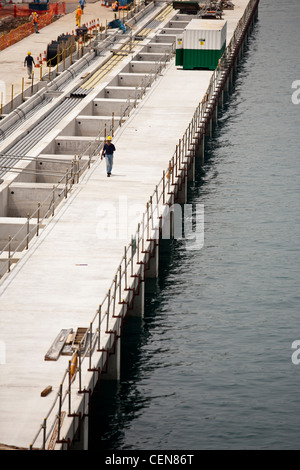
(37, 62)
(44, 57)
(98, 24)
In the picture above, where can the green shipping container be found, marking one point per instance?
(202, 44)
(206, 59)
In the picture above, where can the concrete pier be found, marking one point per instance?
(98, 238)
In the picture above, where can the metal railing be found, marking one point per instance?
(148, 230)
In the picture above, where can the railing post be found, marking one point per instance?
(66, 184)
(90, 348)
(138, 245)
(38, 219)
(108, 306)
(99, 326)
(125, 271)
(148, 236)
(59, 411)
(53, 200)
(44, 433)
(79, 364)
(69, 388)
(131, 259)
(27, 232)
(9, 251)
(115, 293)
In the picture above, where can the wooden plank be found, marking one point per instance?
(68, 346)
(46, 391)
(57, 346)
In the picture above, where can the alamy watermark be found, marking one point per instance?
(296, 94)
(296, 353)
(118, 221)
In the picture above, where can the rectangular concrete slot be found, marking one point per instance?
(133, 79)
(52, 170)
(23, 198)
(11, 226)
(93, 125)
(159, 47)
(106, 106)
(28, 173)
(125, 92)
(178, 24)
(150, 56)
(143, 66)
(171, 31)
(4, 262)
(70, 145)
(165, 38)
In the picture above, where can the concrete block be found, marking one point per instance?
(134, 79)
(95, 125)
(126, 92)
(165, 38)
(138, 66)
(23, 198)
(179, 24)
(72, 145)
(15, 227)
(150, 56)
(171, 31)
(53, 168)
(160, 47)
(107, 106)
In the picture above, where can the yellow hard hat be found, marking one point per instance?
(29, 53)
(109, 137)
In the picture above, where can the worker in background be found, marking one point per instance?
(81, 3)
(78, 14)
(29, 61)
(115, 6)
(36, 22)
(108, 152)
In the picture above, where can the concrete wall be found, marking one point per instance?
(23, 198)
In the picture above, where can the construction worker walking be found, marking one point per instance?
(29, 60)
(108, 152)
(36, 22)
(78, 14)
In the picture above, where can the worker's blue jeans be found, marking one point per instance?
(109, 163)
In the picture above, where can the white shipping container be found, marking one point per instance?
(205, 34)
